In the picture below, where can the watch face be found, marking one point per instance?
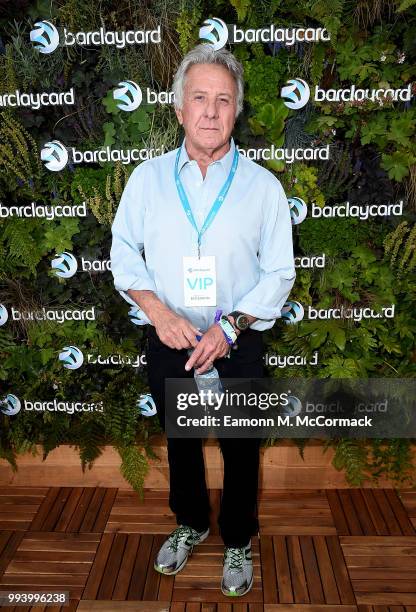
(241, 322)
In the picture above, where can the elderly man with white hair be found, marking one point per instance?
(206, 204)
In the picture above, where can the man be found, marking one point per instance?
(209, 204)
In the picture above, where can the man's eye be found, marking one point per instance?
(226, 100)
(199, 97)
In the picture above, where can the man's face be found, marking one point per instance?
(209, 106)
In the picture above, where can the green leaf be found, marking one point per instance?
(397, 164)
(109, 132)
(318, 338)
(46, 355)
(111, 104)
(255, 126)
(338, 337)
(402, 128)
(267, 115)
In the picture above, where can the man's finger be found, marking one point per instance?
(190, 335)
(194, 357)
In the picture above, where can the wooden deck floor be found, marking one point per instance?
(318, 550)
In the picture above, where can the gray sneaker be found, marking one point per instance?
(174, 552)
(237, 577)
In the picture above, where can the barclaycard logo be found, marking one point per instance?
(295, 94)
(45, 37)
(292, 312)
(129, 94)
(4, 315)
(214, 32)
(71, 357)
(54, 155)
(65, 265)
(293, 407)
(10, 405)
(298, 210)
(146, 405)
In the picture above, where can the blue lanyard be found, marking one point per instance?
(217, 203)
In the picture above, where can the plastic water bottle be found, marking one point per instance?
(208, 381)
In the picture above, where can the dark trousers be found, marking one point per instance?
(188, 496)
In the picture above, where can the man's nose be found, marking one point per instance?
(211, 110)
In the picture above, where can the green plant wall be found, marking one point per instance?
(368, 262)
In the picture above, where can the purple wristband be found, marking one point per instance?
(218, 314)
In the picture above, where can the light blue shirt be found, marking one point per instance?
(250, 237)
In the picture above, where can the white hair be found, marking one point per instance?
(206, 54)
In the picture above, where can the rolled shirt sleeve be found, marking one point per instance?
(127, 264)
(276, 261)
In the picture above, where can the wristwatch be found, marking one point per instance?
(241, 321)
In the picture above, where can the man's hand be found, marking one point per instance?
(175, 331)
(212, 346)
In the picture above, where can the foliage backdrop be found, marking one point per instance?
(373, 160)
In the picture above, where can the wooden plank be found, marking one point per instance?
(82, 507)
(211, 594)
(297, 530)
(380, 598)
(364, 516)
(340, 570)
(377, 561)
(388, 515)
(381, 586)
(297, 571)
(40, 567)
(151, 586)
(310, 608)
(313, 580)
(123, 606)
(112, 566)
(165, 587)
(284, 581)
(142, 562)
(53, 555)
(374, 511)
(69, 509)
(350, 513)
(384, 540)
(385, 573)
(270, 593)
(126, 568)
(10, 542)
(106, 507)
(337, 512)
(44, 509)
(177, 606)
(55, 509)
(93, 510)
(326, 571)
(94, 579)
(399, 512)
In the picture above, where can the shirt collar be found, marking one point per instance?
(225, 161)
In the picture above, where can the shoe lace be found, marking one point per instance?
(179, 534)
(236, 556)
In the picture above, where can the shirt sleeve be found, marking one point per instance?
(276, 262)
(127, 264)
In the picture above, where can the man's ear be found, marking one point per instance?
(179, 115)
